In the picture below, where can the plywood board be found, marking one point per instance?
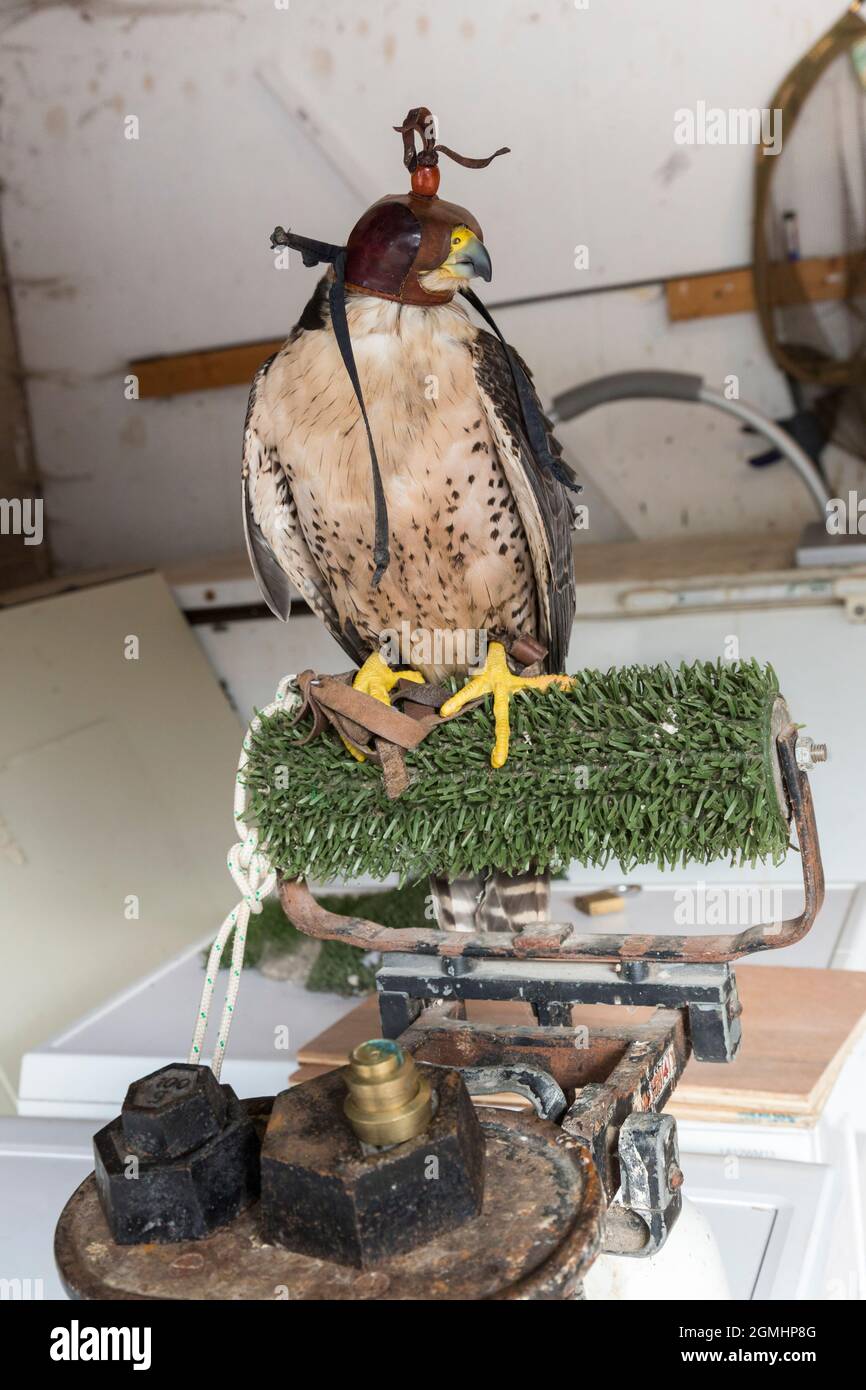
(116, 783)
(799, 1025)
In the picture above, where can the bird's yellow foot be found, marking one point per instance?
(498, 681)
(376, 678)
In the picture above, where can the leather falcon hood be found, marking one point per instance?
(400, 238)
(404, 235)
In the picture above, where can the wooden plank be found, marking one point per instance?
(799, 1025)
(687, 557)
(688, 297)
(205, 370)
(733, 292)
(692, 557)
(705, 296)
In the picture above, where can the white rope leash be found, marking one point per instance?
(256, 878)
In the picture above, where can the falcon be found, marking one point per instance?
(399, 473)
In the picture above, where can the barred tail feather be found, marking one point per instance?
(496, 902)
(513, 902)
(456, 901)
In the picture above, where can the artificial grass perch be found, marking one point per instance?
(643, 764)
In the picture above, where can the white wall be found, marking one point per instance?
(122, 248)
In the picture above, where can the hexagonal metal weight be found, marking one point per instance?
(173, 1110)
(327, 1195)
(180, 1198)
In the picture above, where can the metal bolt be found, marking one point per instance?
(808, 753)
(635, 971)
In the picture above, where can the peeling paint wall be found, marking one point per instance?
(257, 112)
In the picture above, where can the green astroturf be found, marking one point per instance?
(644, 764)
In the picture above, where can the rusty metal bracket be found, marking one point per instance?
(547, 1097)
(558, 942)
(616, 1081)
(649, 1162)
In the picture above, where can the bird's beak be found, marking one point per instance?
(473, 259)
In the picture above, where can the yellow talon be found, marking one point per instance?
(498, 681)
(376, 678)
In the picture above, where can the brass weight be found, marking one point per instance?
(389, 1100)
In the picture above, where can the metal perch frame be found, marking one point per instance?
(562, 942)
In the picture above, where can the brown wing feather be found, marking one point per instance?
(278, 551)
(545, 506)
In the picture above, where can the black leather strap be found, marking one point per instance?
(337, 298)
(536, 430)
(314, 253)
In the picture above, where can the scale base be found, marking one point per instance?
(538, 1232)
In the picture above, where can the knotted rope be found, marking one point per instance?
(256, 879)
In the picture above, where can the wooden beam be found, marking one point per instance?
(206, 370)
(689, 297)
(733, 292)
(692, 557)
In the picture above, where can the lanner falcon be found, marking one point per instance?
(466, 530)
